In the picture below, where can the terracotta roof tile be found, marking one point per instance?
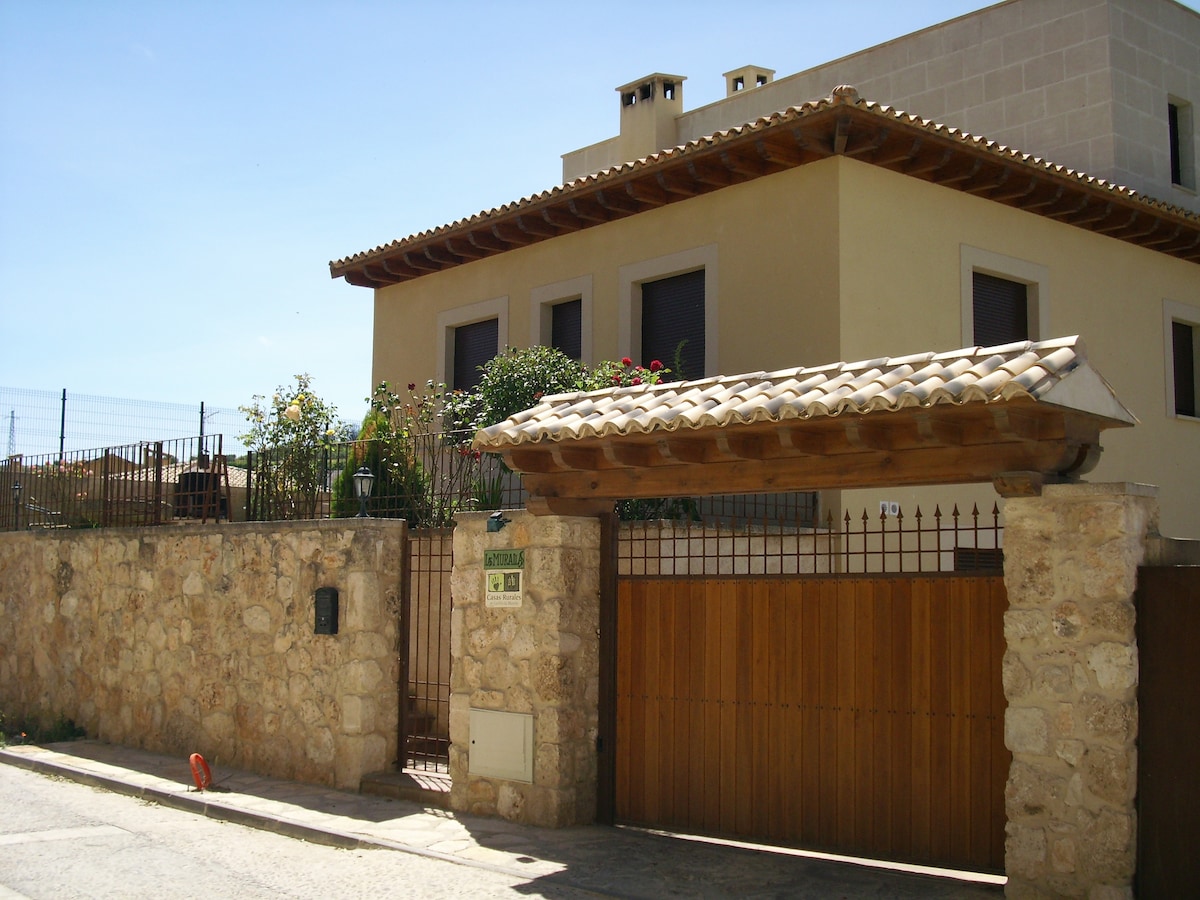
(1033, 371)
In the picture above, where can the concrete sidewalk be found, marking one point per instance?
(612, 862)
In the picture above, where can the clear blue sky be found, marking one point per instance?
(176, 176)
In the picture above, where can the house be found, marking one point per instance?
(773, 230)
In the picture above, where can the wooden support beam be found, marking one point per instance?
(709, 175)
(419, 261)
(930, 166)
(643, 191)
(583, 210)
(869, 146)
(1016, 193)
(485, 243)
(841, 135)
(903, 156)
(536, 226)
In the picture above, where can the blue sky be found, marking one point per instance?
(176, 176)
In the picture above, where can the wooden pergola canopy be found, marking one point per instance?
(1016, 416)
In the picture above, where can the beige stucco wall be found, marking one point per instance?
(840, 260)
(196, 638)
(901, 291)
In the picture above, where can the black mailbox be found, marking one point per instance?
(327, 611)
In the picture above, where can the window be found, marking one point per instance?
(474, 345)
(673, 323)
(561, 317)
(1000, 309)
(1004, 299)
(469, 336)
(1182, 337)
(669, 300)
(1179, 132)
(565, 322)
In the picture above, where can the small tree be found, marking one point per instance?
(292, 432)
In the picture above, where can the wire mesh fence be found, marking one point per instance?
(40, 422)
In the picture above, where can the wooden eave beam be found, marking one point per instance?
(841, 135)
(464, 249)
(932, 165)
(510, 234)
(1111, 229)
(645, 192)
(359, 278)
(750, 168)
(672, 182)
(536, 226)
(397, 269)
(709, 175)
(440, 254)
(869, 146)
(990, 186)
(485, 243)
(583, 210)
(1049, 201)
(1016, 193)
(901, 157)
(778, 154)
(559, 219)
(932, 465)
(419, 261)
(1077, 208)
(952, 178)
(377, 274)
(617, 201)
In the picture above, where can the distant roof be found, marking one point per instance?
(842, 124)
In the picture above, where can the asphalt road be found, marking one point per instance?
(62, 840)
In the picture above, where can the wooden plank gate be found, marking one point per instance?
(862, 714)
(1168, 798)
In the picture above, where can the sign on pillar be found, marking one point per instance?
(504, 578)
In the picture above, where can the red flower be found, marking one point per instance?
(616, 379)
(655, 365)
(412, 385)
(636, 381)
(626, 361)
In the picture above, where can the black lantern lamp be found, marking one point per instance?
(364, 479)
(16, 492)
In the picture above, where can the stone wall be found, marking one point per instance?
(200, 638)
(1070, 676)
(540, 659)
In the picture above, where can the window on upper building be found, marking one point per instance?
(469, 336)
(566, 321)
(1180, 131)
(561, 317)
(1000, 308)
(669, 304)
(1004, 299)
(474, 346)
(673, 323)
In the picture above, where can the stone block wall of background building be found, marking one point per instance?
(200, 638)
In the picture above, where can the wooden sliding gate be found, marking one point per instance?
(858, 714)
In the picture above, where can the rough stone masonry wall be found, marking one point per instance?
(1070, 676)
(200, 639)
(541, 659)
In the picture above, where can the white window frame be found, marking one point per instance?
(1034, 276)
(1189, 315)
(634, 275)
(448, 320)
(543, 299)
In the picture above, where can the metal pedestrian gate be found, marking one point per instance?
(425, 652)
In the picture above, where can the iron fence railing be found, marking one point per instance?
(147, 483)
(424, 478)
(892, 543)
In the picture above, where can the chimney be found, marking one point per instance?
(747, 77)
(648, 110)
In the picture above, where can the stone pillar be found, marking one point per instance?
(1070, 676)
(539, 659)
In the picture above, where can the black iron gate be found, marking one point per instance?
(425, 652)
